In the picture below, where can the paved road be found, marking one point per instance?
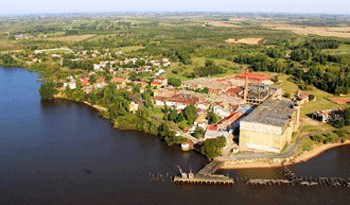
(186, 135)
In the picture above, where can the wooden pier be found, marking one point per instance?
(207, 176)
(205, 180)
(210, 168)
(204, 176)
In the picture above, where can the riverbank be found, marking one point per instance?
(59, 96)
(266, 163)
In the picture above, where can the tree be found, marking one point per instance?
(275, 79)
(198, 132)
(347, 117)
(312, 97)
(147, 97)
(163, 130)
(286, 95)
(136, 88)
(92, 79)
(209, 69)
(184, 57)
(274, 53)
(212, 117)
(174, 82)
(173, 115)
(180, 117)
(212, 147)
(190, 113)
(300, 54)
(47, 91)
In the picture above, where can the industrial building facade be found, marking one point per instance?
(269, 127)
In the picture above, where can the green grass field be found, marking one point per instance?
(130, 49)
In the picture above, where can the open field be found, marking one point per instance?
(74, 38)
(11, 51)
(250, 41)
(7, 45)
(222, 24)
(342, 50)
(320, 103)
(340, 100)
(129, 49)
(340, 32)
(287, 86)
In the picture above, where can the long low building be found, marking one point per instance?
(269, 127)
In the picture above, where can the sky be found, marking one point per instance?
(78, 6)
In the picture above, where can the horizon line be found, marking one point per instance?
(171, 12)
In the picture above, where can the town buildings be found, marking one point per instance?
(329, 115)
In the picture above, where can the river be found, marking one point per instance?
(61, 152)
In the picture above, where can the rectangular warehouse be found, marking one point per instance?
(269, 127)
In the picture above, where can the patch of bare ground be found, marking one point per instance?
(250, 41)
(7, 45)
(312, 122)
(341, 32)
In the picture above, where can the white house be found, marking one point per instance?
(222, 112)
(71, 85)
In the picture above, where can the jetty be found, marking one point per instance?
(205, 180)
(207, 176)
(293, 179)
(204, 176)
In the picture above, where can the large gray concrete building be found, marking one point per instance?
(269, 127)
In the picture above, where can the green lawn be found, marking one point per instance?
(321, 102)
(129, 49)
(229, 66)
(287, 86)
(342, 50)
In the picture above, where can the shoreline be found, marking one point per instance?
(267, 163)
(317, 150)
(59, 96)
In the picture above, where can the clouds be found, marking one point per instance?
(59, 6)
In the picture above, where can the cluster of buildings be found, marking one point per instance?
(327, 116)
(249, 106)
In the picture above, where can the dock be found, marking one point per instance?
(204, 176)
(205, 180)
(210, 168)
(207, 176)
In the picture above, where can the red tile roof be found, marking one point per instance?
(234, 91)
(118, 80)
(179, 98)
(253, 76)
(156, 83)
(101, 80)
(213, 127)
(85, 81)
(159, 79)
(233, 118)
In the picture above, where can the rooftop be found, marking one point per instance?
(272, 112)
